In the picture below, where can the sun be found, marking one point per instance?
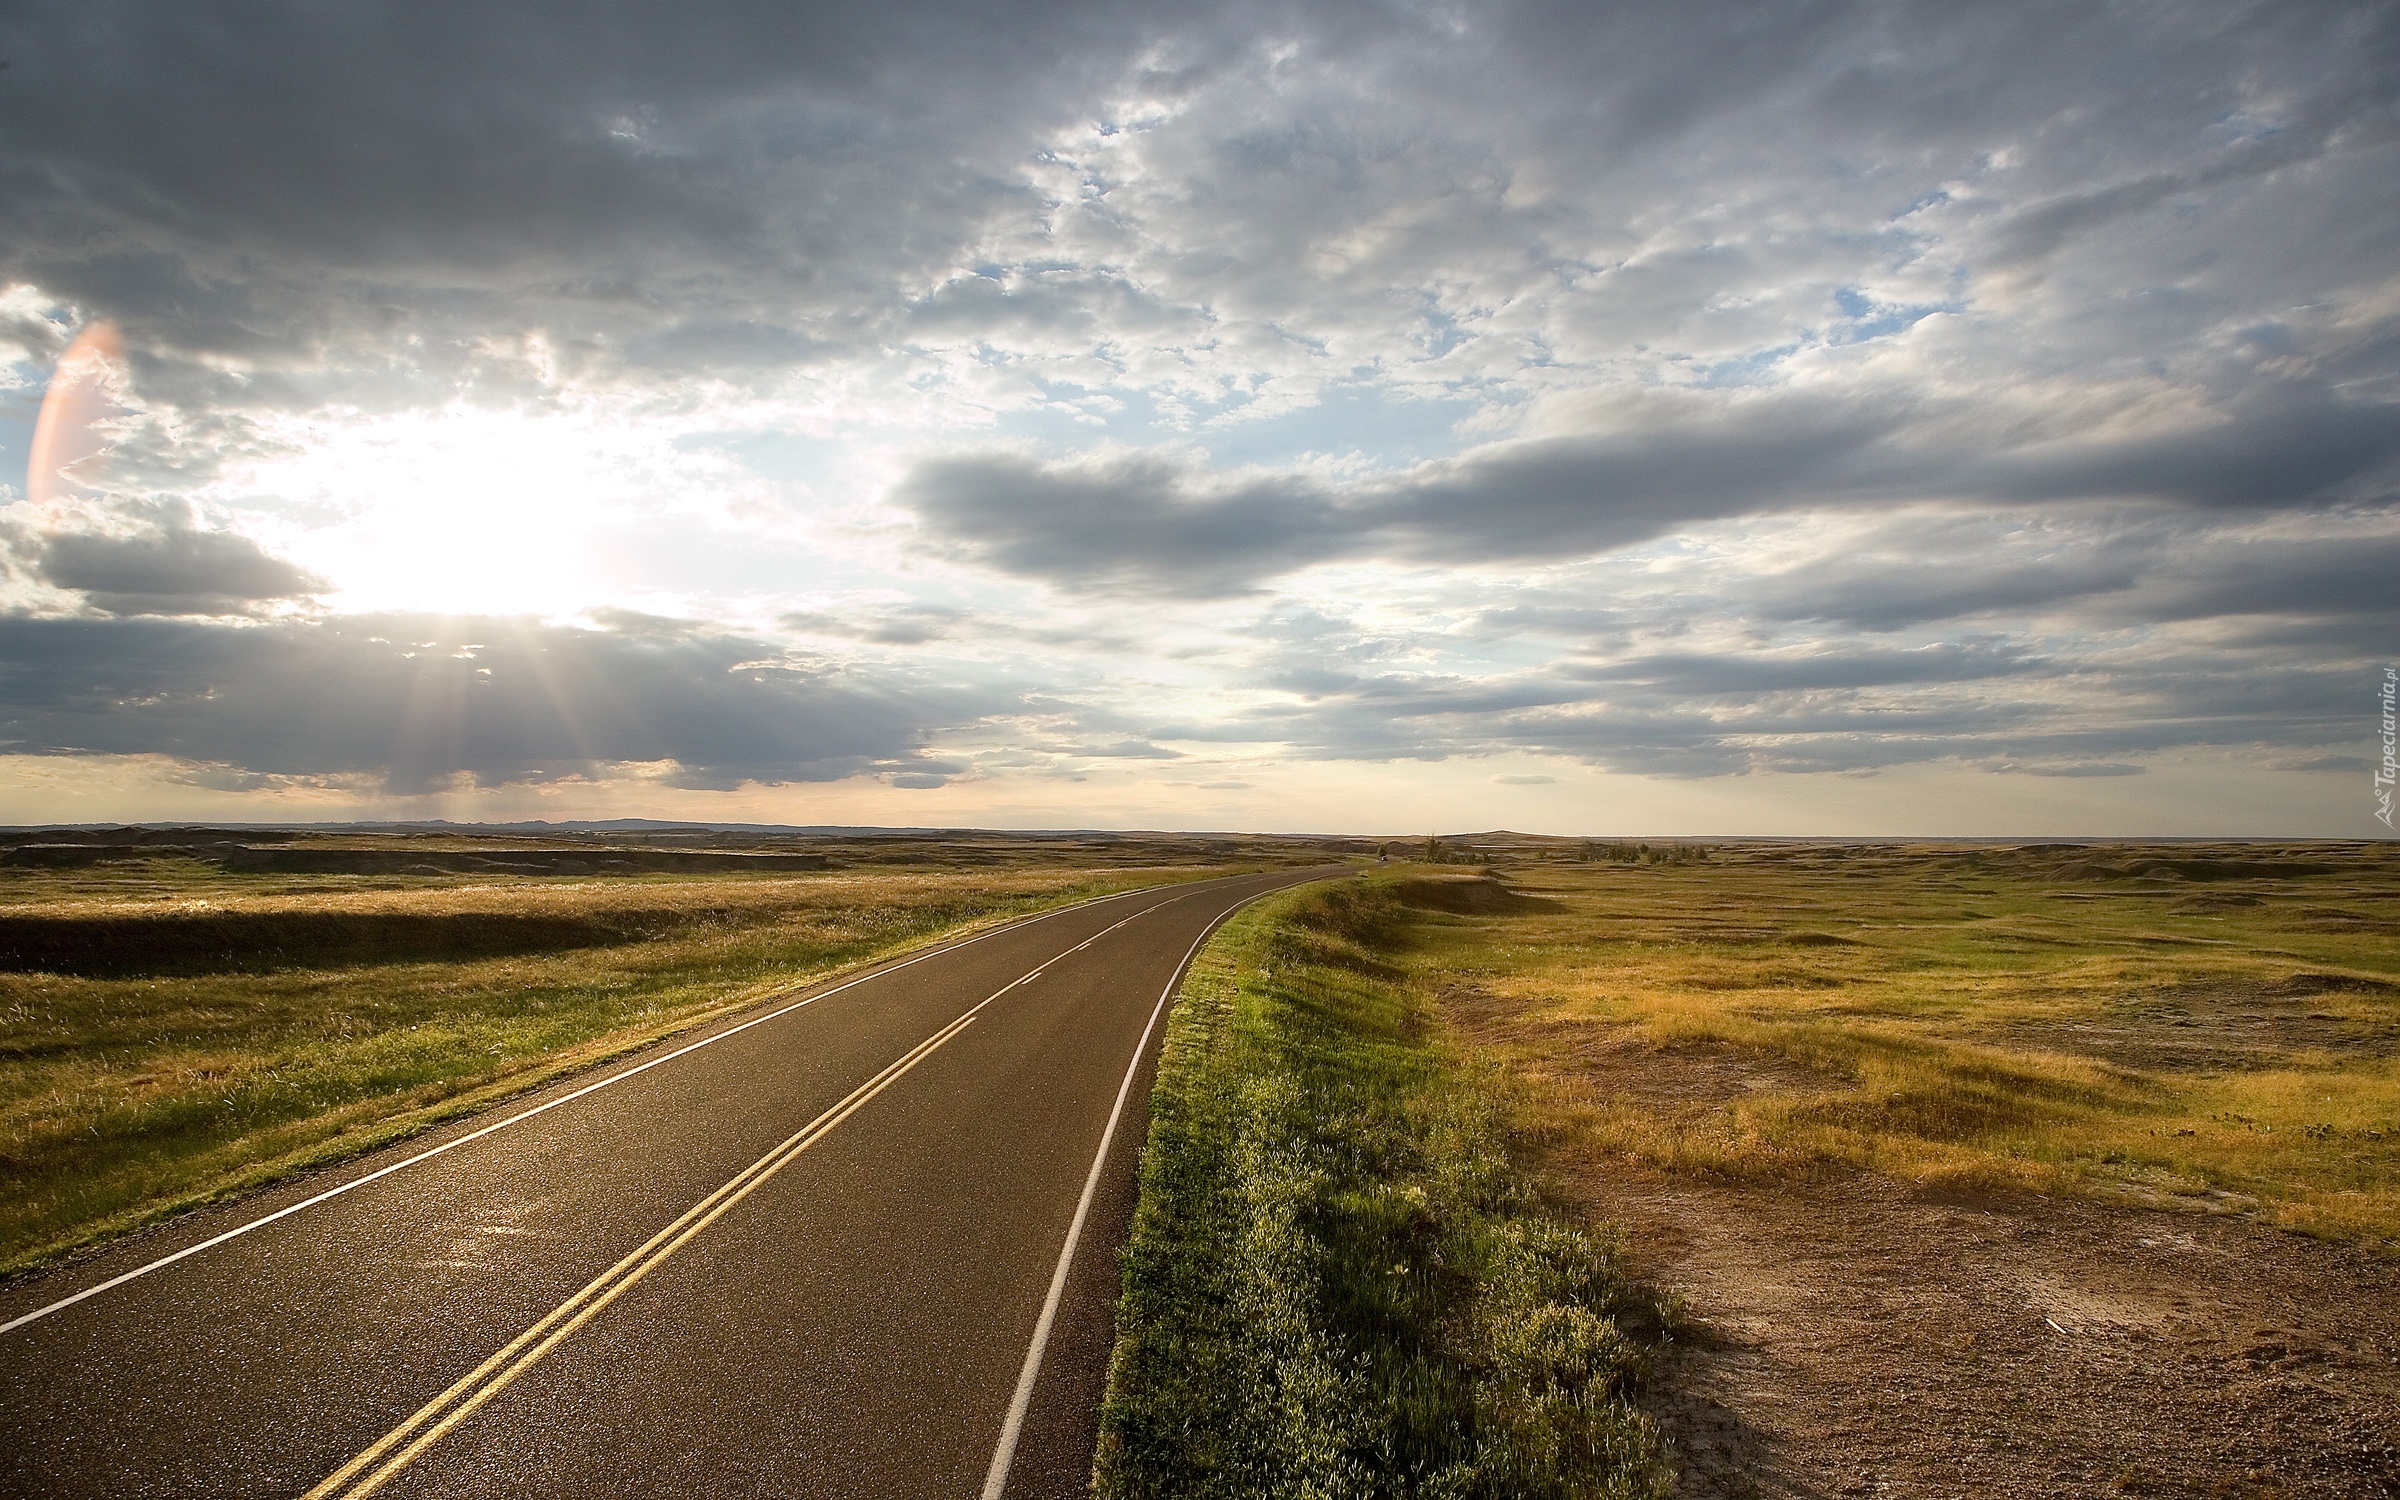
(460, 510)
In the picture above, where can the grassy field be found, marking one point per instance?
(1337, 1285)
(2213, 1027)
(169, 1033)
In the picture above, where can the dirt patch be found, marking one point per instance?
(2332, 984)
(1678, 1083)
(2207, 1027)
(1862, 1336)
(1849, 1339)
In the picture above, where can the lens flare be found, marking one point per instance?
(67, 437)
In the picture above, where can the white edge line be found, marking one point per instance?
(470, 1393)
(995, 1480)
(334, 1192)
(474, 1390)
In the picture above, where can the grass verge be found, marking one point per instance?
(291, 1023)
(1336, 1284)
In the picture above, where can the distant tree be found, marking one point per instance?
(1614, 851)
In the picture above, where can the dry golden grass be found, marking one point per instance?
(2222, 1032)
(170, 1036)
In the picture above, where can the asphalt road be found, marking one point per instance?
(807, 1256)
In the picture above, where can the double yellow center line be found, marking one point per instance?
(397, 1449)
(453, 1406)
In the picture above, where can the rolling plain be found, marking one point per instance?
(1521, 1167)
(1978, 1170)
(176, 1026)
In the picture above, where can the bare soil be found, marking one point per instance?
(1854, 1339)
(2192, 1028)
(1863, 1336)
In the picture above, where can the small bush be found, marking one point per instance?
(1595, 852)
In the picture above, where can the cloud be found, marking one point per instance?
(1690, 674)
(2101, 566)
(418, 702)
(170, 572)
(1731, 701)
(1121, 750)
(1232, 205)
(2276, 448)
(127, 556)
(2346, 764)
(882, 625)
(1813, 386)
(1148, 524)
(491, 150)
(1138, 523)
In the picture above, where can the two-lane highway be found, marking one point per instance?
(856, 1242)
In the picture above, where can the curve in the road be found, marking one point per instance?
(521, 1116)
(667, 1288)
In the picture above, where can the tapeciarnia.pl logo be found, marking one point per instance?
(2385, 773)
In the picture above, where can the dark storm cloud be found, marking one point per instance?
(414, 701)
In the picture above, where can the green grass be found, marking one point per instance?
(169, 1036)
(1337, 1285)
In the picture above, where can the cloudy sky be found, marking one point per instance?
(1652, 418)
